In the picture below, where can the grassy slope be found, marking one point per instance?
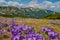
(54, 16)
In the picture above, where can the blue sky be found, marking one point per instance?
(45, 4)
(23, 1)
(26, 1)
(53, 0)
(48, 0)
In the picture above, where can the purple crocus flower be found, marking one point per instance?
(58, 36)
(46, 29)
(24, 27)
(27, 39)
(13, 24)
(27, 29)
(39, 36)
(30, 37)
(34, 36)
(13, 31)
(30, 30)
(16, 31)
(17, 37)
(52, 35)
(2, 31)
(4, 24)
(52, 39)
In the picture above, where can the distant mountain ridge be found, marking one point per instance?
(28, 12)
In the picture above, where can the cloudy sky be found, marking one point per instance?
(44, 4)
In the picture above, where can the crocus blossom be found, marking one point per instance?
(52, 35)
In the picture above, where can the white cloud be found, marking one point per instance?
(2, 0)
(50, 5)
(16, 0)
(45, 5)
(34, 3)
(3, 3)
(10, 3)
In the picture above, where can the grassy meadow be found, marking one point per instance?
(36, 23)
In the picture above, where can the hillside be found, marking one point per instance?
(25, 12)
(54, 16)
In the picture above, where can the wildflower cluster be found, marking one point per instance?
(30, 34)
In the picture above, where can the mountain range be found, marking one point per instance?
(28, 12)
